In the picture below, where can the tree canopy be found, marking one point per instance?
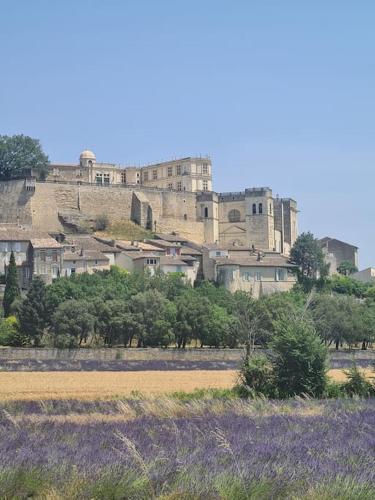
(308, 255)
(20, 154)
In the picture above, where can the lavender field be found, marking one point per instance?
(173, 449)
(339, 360)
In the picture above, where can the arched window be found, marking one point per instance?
(270, 208)
(234, 215)
(254, 209)
(206, 212)
(260, 208)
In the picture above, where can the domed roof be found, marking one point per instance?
(87, 155)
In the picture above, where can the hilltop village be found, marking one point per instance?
(241, 240)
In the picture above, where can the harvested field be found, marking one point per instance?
(102, 385)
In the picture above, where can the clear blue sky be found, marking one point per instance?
(278, 93)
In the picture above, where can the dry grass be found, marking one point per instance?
(338, 375)
(104, 385)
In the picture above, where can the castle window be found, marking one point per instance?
(205, 185)
(206, 212)
(234, 215)
(106, 179)
(154, 174)
(99, 179)
(179, 186)
(270, 209)
(170, 186)
(254, 209)
(123, 177)
(185, 216)
(205, 168)
(90, 163)
(260, 208)
(170, 173)
(145, 176)
(178, 170)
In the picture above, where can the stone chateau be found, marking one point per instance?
(174, 196)
(241, 240)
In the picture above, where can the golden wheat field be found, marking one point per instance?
(104, 385)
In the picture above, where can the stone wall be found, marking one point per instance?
(171, 210)
(108, 354)
(15, 203)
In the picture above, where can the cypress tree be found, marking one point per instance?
(12, 290)
(33, 311)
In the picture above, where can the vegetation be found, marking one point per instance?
(19, 154)
(346, 268)
(126, 230)
(12, 291)
(308, 255)
(190, 446)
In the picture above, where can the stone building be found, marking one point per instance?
(336, 251)
(169, 197)
(35, 253)
(185, 174)
(366, 275)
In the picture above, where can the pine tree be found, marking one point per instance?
(33, 311)
(12, 290)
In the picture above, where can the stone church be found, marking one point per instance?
(174, 196)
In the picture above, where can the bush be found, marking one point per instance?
(357, 384)
(300, 359)
(10, 334)
(257, 377)
(101, 223)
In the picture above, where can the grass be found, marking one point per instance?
(126, 230)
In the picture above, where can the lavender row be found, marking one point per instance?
(142, 365)
(283, 448)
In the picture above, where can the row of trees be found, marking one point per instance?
(119, 308)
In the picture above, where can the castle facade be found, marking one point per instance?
(174, 196)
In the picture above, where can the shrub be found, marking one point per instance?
(101, 223)
(257, 377)
(300, 358)
(10, 334)
(357, 384)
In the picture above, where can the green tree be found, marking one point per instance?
(346, 268)
(20, 154)
(308, 255)
(157, 315)
(299, 358)
(73, 323)
(12, 290)
(337, 318)
(33, 312)
(191, 317)
(347, 286)
(10, 334)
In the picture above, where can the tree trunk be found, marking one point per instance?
(364, 345)
(337, 345)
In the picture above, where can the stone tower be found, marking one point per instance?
(260, 228)
(208, 213)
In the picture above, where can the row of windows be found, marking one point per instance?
(280, 275)
(178, 171)
(102, 179)
(234, 215)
